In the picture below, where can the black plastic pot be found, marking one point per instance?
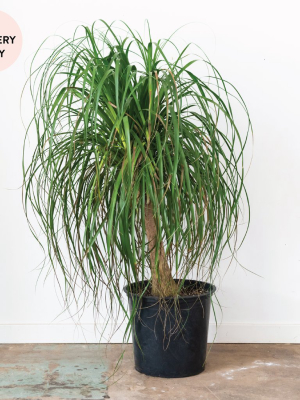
(170, 339)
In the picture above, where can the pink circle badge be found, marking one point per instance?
(10, 41)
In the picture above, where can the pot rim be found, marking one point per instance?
(211, 290)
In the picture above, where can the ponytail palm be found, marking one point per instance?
(138, 173)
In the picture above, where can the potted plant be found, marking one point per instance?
(136, 180)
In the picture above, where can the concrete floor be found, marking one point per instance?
(86, 371)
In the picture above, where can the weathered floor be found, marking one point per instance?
(80, 371)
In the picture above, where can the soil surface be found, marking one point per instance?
(190, 290)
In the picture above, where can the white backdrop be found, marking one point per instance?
(255, 45)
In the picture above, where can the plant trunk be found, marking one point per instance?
(163, 284)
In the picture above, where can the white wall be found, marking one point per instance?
(255, 45)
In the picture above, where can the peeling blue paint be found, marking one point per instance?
(63, 371)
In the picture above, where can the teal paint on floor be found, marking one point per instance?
(56, 370)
